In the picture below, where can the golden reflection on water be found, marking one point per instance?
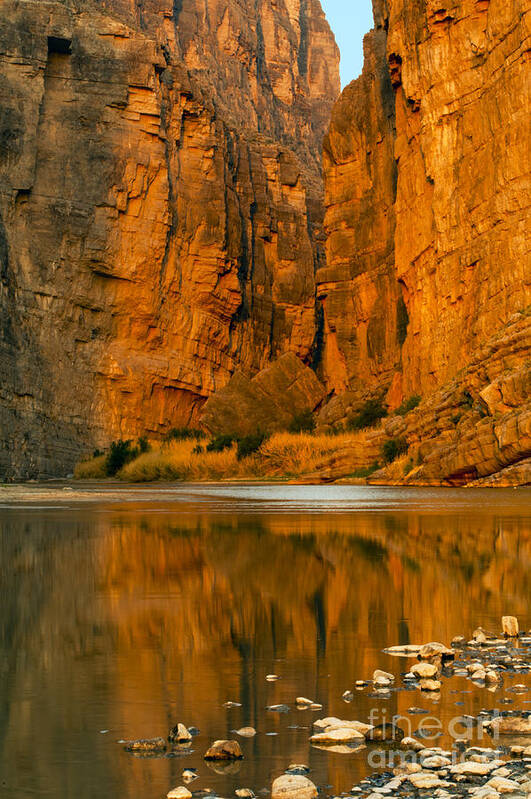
(130, 618)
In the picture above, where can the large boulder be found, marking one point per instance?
(268, 402)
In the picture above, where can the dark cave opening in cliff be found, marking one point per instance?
(59, 46)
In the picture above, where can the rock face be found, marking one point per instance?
(160, 210)
(427, 196)
(362, 303)
(268, 402)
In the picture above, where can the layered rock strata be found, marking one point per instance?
(475, 430)
(160, 213)
(427, 194)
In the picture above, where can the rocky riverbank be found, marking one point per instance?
(489, 756)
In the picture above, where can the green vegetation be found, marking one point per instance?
(302, 423)
(184, 434)
(120, 453)
(408, 467)
(143, 445)
(367, 416)
(409, 405)
(248, 445)
(393, 448)
(367, 471)
(220, 444)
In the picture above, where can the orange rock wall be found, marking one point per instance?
(160, 210)
(455, 243)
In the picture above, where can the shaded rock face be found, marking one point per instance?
(427, 195)
(160, 210)
(358, 289)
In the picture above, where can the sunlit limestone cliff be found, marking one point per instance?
(160, 210)
(169, 254)
(426, 290)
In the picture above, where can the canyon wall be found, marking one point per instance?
(427, 196)
(160, 210)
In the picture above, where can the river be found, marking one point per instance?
(127, 609)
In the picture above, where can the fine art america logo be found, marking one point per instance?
(461, 729)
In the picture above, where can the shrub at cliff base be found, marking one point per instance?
(220, 444)
(302, 423)
(408, 405)
(394, 448)
(367, 416)
(249, 445)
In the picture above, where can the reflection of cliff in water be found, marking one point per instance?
(162, 617)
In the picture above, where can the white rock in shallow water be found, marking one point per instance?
(426, 780)
(476, 769)
(303, 701)
(244, 793)
(329, 721)
(342, 735)
(502, 785)
(510, 626)
(382, 675)
(412, 744)
(510, 725)
(333, 723)
(293, 786)
(408, 650)
(424, 670)
(271, 677)
(436, 762)
(246, 732)
(434, 649)
(430, 685)
(407, 768)
(179, 793)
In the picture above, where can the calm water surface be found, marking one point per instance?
(125, 611)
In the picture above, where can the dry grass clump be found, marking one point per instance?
(177, 461)
(294, 454)
(281, 455)
(93, 469)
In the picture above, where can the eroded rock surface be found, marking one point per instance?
(427, 195)
(160, 211)
(268, 402)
